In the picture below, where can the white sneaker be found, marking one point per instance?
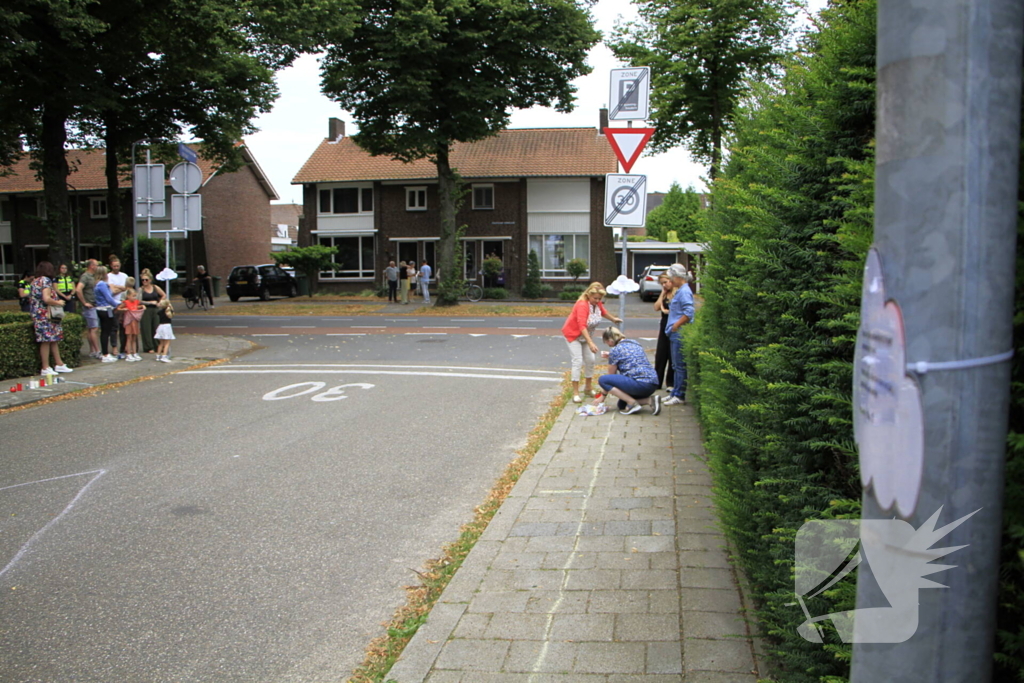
(48, 371)
(136, 356)
(63, 368)
(673, 401)
(108, 359)
(164, 359)
(130, 358)
(96, 354)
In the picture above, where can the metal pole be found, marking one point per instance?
(625, 260)
(948, 136)
(135, 218)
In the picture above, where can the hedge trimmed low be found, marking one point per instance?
(19, 352)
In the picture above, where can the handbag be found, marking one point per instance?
(56, 312)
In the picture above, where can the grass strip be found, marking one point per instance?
(287, 308)
(490, 311)
(383, 651)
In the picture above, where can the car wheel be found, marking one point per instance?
(265, 294)
(293, 291)
(233, 297)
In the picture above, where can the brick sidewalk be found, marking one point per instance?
(603, 565)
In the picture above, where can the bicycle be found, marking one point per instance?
(474, 292)
(195, 295)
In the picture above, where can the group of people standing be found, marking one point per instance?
(404, 277)
(631, 377)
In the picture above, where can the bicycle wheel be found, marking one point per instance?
(190, 303)
(204, 299)
(475, 292)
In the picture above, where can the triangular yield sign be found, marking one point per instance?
(628, 143)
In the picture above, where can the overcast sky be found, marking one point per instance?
(289, 134)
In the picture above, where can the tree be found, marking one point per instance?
(678, 211)
(307, 260)
(532, 287)
(576, 267)
(152, 255)
(702, 54)
(420, 76)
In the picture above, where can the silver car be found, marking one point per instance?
(650, 288)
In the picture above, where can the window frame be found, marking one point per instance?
(362, 192)
(483, 186)
(365, 271)
(93, 203)
(410, 192)
(560, 274)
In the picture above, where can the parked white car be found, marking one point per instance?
(649, 285)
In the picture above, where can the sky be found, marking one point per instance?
(290, 133)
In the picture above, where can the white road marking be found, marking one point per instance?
(28, 544)
(648, 338)
(335, 318)
(232, 327)
(229, 371)
(413, 334)
(517, 328)
(298, 327)
(313, 367)
(269, 335)
(440, 327)
(369, 327)
(346, 334)
(539, 320)
(519, 336)
(477, 335)
(471, 320)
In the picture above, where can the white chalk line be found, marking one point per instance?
(229, 371)
(315, 366)
(28, 544)
(542, 656)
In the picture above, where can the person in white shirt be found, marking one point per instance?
(424, 278)
(117, 282)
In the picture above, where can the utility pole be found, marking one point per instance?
(948, 138)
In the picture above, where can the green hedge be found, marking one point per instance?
(772, 347)
(495, 293)
(19, 353)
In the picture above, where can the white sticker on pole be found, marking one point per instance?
(625, 200)
(630, 95)
(888, 420)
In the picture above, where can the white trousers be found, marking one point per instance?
(582, 358)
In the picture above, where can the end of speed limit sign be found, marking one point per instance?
(625, 200)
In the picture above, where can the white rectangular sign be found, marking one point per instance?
(186, 212)
(630, 97)
(148, 183)
(625, 200)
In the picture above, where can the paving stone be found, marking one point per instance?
(444, 677)
(665, 658)
(654, 491)
(709, 600)
(664, 602)
(645, 678)
(601, 544)
(558, 602)
(619, 602)
(663, 560)
(647, 628)
(575, 529)
(692, 490)
(602, 515)
(557, 516)
(627, 528)
(698, 577)
(547, 544)
(474, 655)
(686, 511)
(698, 541)
(718, 655)
(628, 658)
(719, 677)
(712, 557)
(650, 544)
(537, 529)
(517, 627)
(623, 560)
(569, 560)
(471, 626)
(499, 602)
(714, 625)
(630, 503)
(592, 579)
(514, 560)
(659, 579)
(654, 514)
(538, 579)
(538, 656)
(664, 527)
(582, 627)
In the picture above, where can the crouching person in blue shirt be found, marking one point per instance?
(631, 379)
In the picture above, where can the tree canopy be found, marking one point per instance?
(678, 211)
(420, 75)
(702, 54)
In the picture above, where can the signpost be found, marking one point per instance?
(631, 94)
(628, 143)
(148, 188)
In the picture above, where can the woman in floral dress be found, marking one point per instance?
(49, 333)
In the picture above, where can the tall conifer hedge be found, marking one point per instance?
(772, 346)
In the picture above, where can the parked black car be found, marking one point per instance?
(261, 281)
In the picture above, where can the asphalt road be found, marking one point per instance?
(252, 522)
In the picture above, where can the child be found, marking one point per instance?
(164, 331)
(131, 316)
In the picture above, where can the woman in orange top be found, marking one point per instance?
(578, 331)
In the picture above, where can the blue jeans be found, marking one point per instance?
(675, 341)
(425, 291)
(626, 384)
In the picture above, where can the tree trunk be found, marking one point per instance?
(446, 198)
(55, 184)
(115, 215)
(716, 133)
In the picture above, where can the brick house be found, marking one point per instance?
(538, 188)
(236, 213)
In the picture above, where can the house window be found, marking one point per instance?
(415, 199)
(97, 207)
(7, 262)
(353, 260)
(40, 208)
(346, 200)
(554, 251)
(483, 196)
(6, 215)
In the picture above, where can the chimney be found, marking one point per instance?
(335, 129)
(602, 121)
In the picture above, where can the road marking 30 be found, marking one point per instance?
(333, 394)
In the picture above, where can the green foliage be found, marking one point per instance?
(308, 261)
(19, 352)
(152, 255)
(576, 267)
(679, 211)
(8, 291)
(771, 351)
(703, 54)
(575, 288)
(495, 293)
(1009, 651)
(454, 71)
(568, 296)
(492, 267)
(532, 286)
